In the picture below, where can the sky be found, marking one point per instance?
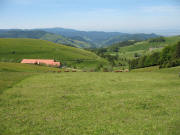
(92, 15)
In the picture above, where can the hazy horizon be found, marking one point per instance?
(137, 16)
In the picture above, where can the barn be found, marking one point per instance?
(47, 62)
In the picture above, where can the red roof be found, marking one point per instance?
(41, 61)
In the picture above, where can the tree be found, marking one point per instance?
(154, 59)
(177, 53)
(141, 62)
(136, 55)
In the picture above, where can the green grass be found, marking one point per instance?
(8, 79)
(62, 40)
(18, 67)
(145, 45)
(148, 69)
(12, 73)
(14, 50)
(134, 103)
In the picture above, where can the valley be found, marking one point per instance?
(14, 50)
(89, 67)
(75, 38)
(93, 92)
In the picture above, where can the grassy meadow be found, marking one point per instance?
(14, 50)
(144, 46)
(12, 73)
(143, 102)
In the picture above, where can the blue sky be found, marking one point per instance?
(106, 15)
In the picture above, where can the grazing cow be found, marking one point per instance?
(59, 71)
(74, 71)
(118, 71)
(66, 70)
(126, 70)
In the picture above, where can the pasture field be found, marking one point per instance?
(14, 50)
(145, 45)
(97, 103)
(12, 73)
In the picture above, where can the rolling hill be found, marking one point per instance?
(100, 38)
(80, 39)
(129, 48)
(120, 53)
(14, 50)
(39, 34)
(126, 37)
(151, 46)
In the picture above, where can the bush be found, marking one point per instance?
(136, 55)
(168, 57)
(159, 39)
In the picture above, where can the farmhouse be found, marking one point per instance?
(47, 62)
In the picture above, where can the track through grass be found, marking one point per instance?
(135, 103)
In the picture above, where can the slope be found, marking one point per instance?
(17, 49)
(128, 50)
(80, 39)
(39, 34)
(126, 37)
(119, 54)
(100, 38)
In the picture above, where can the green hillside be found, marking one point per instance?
(168, 57)
(39, 34)
(148, 46)
(66, 41)
(129, 49)
(121, 53)
(14, 50)
(19, 67)
(80, 39)
(126, 37)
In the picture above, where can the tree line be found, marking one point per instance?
(168, 57)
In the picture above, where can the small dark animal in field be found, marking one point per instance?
(59, 71)
(84, 71)
(74, 71)
(66, 70)
(118, 71)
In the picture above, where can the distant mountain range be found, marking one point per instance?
(80, 39)
(40, 34)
